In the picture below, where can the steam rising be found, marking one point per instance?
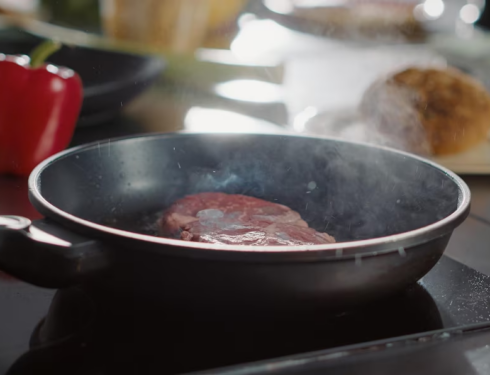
(350, 191)
(390, 113)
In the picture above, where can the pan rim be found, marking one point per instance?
(366, 247)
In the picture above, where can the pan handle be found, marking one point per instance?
(45, 254)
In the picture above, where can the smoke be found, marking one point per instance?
(362, 103)
(350, 191)
(217, 180)
(389, 112)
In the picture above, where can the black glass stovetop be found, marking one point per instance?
(77, 337)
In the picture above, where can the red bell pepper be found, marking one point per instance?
(39, 107)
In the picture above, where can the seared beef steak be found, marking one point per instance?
(239, 220)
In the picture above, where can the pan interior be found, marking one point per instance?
(351, 191)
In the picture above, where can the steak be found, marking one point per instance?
(220, 218)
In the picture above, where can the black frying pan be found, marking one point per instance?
(392, 214)
(110, 79)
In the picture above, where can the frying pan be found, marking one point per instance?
(392, 214)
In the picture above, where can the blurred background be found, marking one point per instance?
(251, 65)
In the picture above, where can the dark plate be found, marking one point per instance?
(110, 79)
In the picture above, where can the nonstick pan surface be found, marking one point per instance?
(391, 213)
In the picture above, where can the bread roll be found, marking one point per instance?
(428, 111)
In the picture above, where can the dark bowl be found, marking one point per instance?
(110, 79)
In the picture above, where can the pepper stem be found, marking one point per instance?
(43, 51)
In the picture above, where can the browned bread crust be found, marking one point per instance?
(429, 111)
